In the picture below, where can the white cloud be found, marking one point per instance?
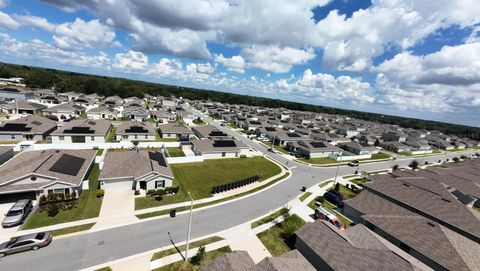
(81, 34)
(276, 59)
(131, 61)
(35, 21)
(166, 67)
(4, 3)
(234, 63)
(7, 22)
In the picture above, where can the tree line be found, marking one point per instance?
(107, 86)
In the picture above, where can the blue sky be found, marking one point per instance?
(414, 58)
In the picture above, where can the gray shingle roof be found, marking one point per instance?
(38, 124)
(100, 127)
(235, 261)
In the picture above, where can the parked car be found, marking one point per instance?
(32, 241)
(322, 213)
(273, 150)
(354, 163)
(335, 197)
(17, 214)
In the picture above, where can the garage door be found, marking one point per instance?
(118, 185)
(17, 196)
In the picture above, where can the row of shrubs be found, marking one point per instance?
(161, 192)
(55, 198)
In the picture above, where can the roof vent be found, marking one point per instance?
(57, 151)
(431, 224)
(446, 200)
(406, 184)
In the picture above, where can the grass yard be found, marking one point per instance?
(328, 160)
(175, 152)
(319, 161)
(199, 178)
(379, 156)
(88, 207)
(182, 248)
(347, 193)
(111, 135)
(281, 237)
(73, 229)
(99, 152)
(325, 184)
(305, 196)
(359, 181)
(209, 257)
(269, 218)
(104, 269)
(281, 149)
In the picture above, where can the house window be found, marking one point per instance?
(146, 137)
(66, 191)
(136, 136)
(160, 184)
(125, 136)
(61, 137)
(12, 137)
(50, 191)
(58, 191)
(223, 154)
(92, 138)
(28, 137)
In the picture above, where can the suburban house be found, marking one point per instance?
(114, 102)
(169, 102)
(21, 107)
(358, 148)
(331, 138)
(85, 102)
(209, 131)
(161, 116)
(33, 127)
(356, 248)
(214, 149)
(313, 149)
(65, 111)
(241, 261)
(175, 131)
(31, 174)
(394, 135)
(82, 131)
(135, 131)
(282, 137)
(102, 112)
(9, 94)
(52, 99)
(395, 146)
(135, 113)
(6, 152)
(418, 146)
(135, 170)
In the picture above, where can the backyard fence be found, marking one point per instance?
(233, 185)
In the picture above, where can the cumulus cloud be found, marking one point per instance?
(7, 22)
(276, 59)
(131, 61)
(82, 34)
(234, 63)
(35, 21)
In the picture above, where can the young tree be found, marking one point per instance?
(199, 257)
(414, 164)
(337, 187)
(395, 167)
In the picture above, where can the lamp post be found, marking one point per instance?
(189, 226)
(338, 168)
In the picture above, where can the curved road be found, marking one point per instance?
(86, 250)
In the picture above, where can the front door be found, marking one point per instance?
(143, 185)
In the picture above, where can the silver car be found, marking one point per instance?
(17, 214)
(26, 242)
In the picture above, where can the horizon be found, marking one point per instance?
(392, 58)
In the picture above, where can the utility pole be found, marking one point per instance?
(189, 226)
(338, 168)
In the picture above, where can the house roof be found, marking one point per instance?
(102, 110)
(208, 131)
(174, 128)
(24, 105)
(209, 145)
(32, 124)
(235, 261)
(364, 250)
(135, 110)
(68, 166)
(65, 107)
(86, 127)
(316, 146)
(135, 127)
(118, 164)
(288, 261)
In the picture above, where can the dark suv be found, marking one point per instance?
(334, 197)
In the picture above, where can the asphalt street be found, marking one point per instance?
(82, 251)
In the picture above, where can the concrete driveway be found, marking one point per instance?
(118, 208)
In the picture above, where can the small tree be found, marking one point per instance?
(414, 164)
(395, 167)
(337, 187)
(43, 200)
(455, 159)
(135, 143)
(52, 210)
(199, 257)
(463, 156)
(100, 193)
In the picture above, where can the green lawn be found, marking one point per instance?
(88, 207)
(99, 152)
(330, 207)
(199, 178)
(328, 160)
(175, 152)
(359, 181)
(111, 135)
(305, 196)
(209, 257)
(281, 237)
(281, 149)
(232, 125)
(182, 248)
(325, 184)
(83, 116)
(72, 229)
(347, 193)
(269, 218)
(164, 212)
(380, 155)
(104, 269)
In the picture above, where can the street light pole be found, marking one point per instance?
(338, 168)
(189, 226)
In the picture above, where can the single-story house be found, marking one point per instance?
(134, 130)
(314, 149)
(395, 146)
(82, 131)
(135, 170)
(395, 135)
(21, 107)
(209, 131)
(358, 148)
(31, 174)
(114, 102)
(52, 99)
(175, 130)
(102, 112)
(65, 111)
(136, 113)
(214, 149)
(162, 116)
(33, 127)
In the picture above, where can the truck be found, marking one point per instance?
(324, 214)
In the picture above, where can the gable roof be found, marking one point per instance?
(33, 124)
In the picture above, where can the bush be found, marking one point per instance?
(137, 192)
(159, 192)
(52, 210)
(337, 187)
(51, 197)
(150, 191)
(100, 193)
(414, 164)
(455, 159)
(463, 156)
(172, 190)
(395, 167)
(243, 156)
(42, 200)
(73, 195)
(199, 257)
